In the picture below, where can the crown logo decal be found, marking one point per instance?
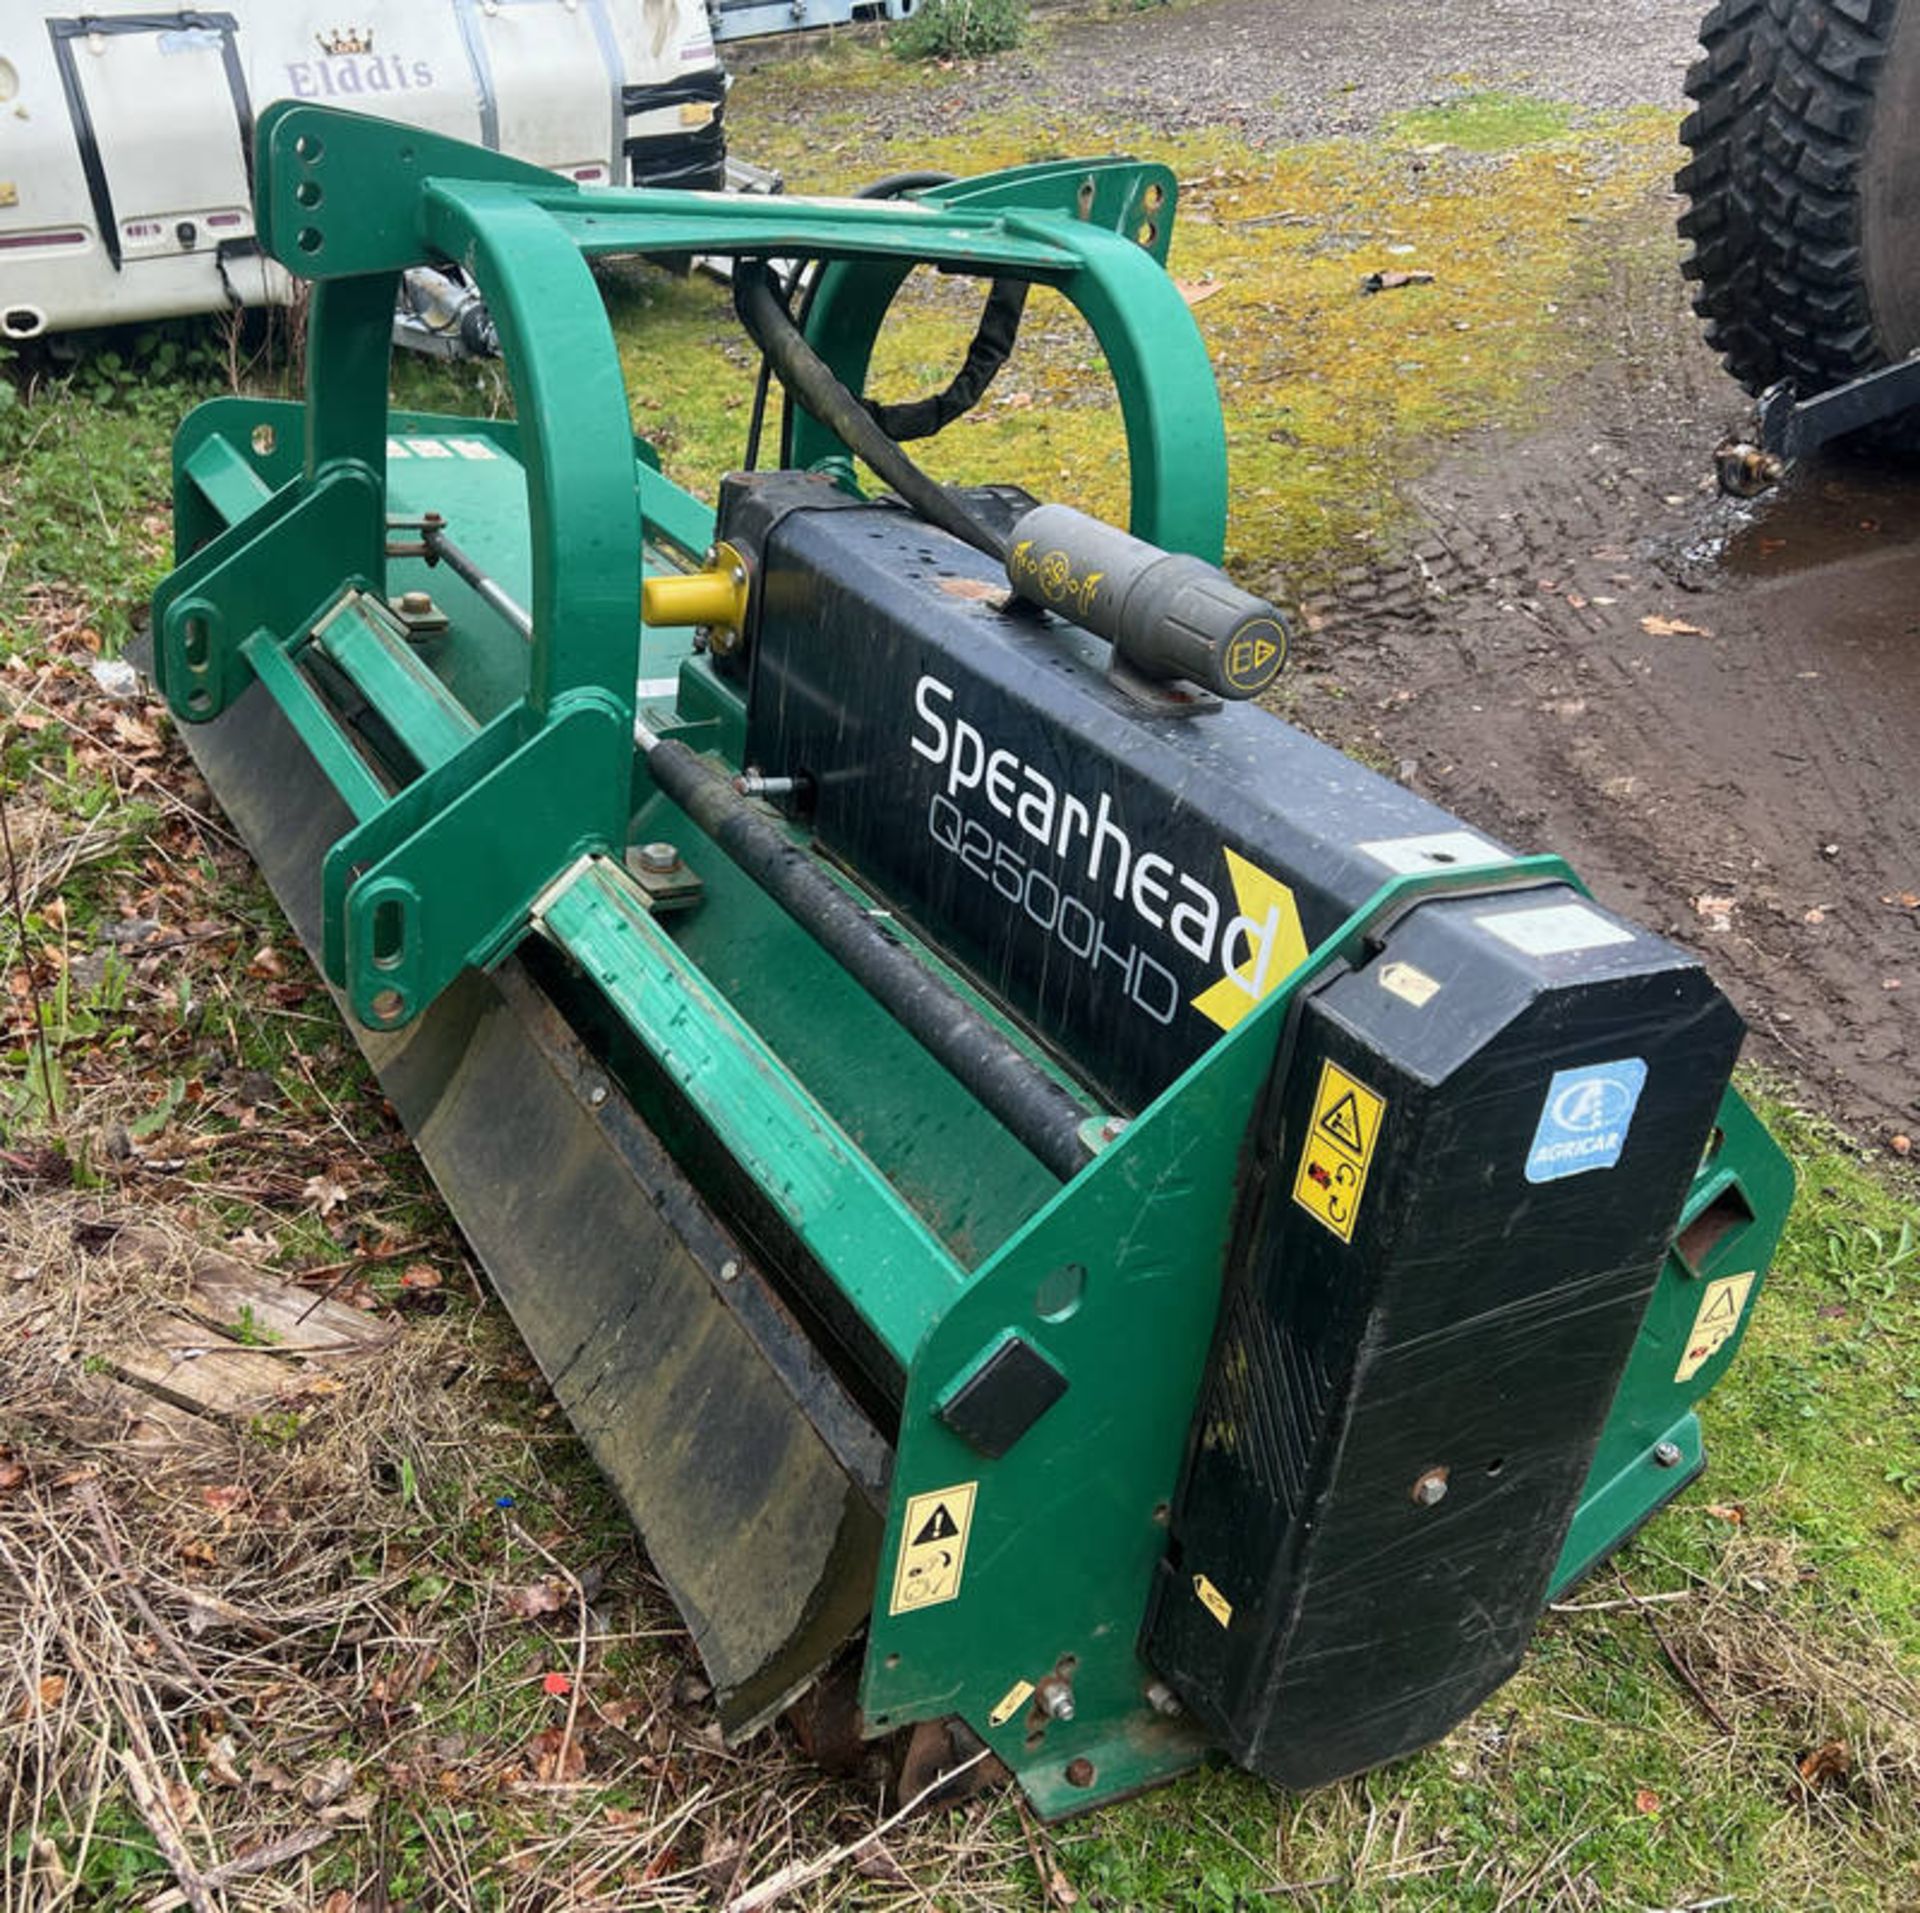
(346, 40)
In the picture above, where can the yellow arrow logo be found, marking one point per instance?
(1259, 948)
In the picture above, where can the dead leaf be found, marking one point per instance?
(268, 963)
(977, 590)
(538, 1598)
(1194, 290)
(224, 1500)
(12, 1474)
(557, 1686)
(1815, 915)
(1728, 1511)
(1828, 1765)
(326, 1783)
(1657, 627)
(557, 1756)
(221, 1767)
(420, 1275)
(1901, 1145)
(1645, 1800)
(876, 1863)
(1393, 281)
(48, 1694)
(136, 734)
(1716, 913)
(721, 1855)
(325, 1193)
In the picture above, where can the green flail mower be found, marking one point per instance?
(1062, 1205)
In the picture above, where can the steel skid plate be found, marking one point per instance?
(756, 1483)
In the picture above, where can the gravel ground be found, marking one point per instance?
(1298, 69)
(1304, 69)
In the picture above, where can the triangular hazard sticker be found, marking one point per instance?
(1342, 1123)
(1725, 1307)
(939, 1526)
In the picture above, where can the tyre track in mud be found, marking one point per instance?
(1749, 785)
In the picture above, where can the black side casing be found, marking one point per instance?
(1473, 1332)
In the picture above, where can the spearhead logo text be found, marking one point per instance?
(1249, 942)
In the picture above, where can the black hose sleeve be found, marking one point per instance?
(812, 383)
(1038, 1111)
(991, 347)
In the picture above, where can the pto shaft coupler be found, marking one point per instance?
(1166, 614)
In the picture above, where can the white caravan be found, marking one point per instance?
(126, 132)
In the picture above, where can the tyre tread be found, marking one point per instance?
(1783, 98)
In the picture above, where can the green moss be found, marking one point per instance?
(1483, 122)
(1332, 397)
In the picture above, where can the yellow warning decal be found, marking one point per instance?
(1339, 1147)
(1213, 1600)
(1713, 1325)
(933, 1548)
(1011, 1702)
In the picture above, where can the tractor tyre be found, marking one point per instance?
(1803, 192)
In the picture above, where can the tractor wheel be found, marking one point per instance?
(1804, 191)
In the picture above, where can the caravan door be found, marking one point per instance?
(132, 84)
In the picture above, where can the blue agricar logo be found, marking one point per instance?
(1585, 1120)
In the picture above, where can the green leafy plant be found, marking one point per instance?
(960, 29)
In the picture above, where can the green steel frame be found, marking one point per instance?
(527, 795)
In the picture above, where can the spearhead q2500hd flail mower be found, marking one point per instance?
(1034, 1179)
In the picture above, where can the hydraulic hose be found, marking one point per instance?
(1028, 1102)
(812, 382)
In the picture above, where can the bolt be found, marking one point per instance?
(1080, 1772)
(597, 1094)
(1162, 1699)
(1113, 1129)
(659, 859)
(1666, 1454)
(729, 1270)
(1054, 1698)
(1431, 1489)
(415, 604)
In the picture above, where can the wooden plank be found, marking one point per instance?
(229, 1292)
(144, 1422)
(280, 1316)
(185, 1362)
(237, 1344)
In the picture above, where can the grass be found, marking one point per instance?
(371, 1589)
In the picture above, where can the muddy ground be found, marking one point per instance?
(1752, 786)
(1743, 772)
(1713, 711)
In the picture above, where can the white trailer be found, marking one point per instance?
(749, 19)
(126, 132)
